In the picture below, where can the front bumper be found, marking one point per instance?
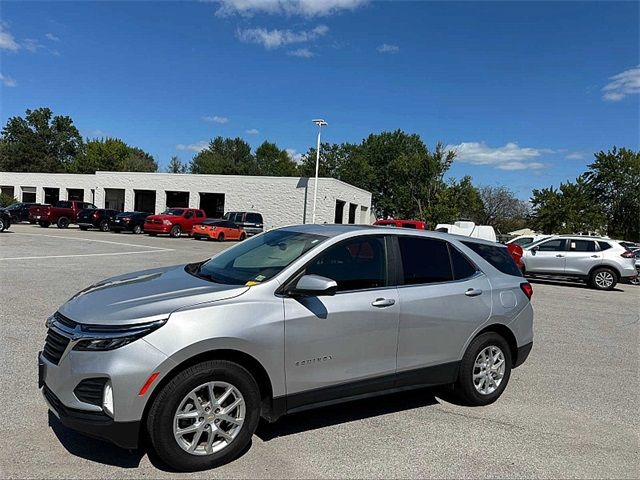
(157, 228)
(94, 424)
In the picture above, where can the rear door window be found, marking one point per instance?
(424, 260)
(254, 218)
(582, 246)
(498, 256)
(462, 266)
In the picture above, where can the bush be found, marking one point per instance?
(6, 200)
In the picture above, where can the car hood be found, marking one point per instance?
(163, 217)
(144, 296)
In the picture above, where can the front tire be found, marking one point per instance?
(137, 229)
(205, 416)
(603, 279)
(63, 222)
(175, 232)
(3, 225)
(484, 371)
(104, 226)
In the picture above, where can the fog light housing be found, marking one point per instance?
(107, 399)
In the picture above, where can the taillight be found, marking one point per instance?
(628, 254)
(95, 214)
(527, 289)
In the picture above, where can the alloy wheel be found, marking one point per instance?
(209, 418)
(488, 370)
(604, 279)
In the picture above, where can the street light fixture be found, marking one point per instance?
(320, 123)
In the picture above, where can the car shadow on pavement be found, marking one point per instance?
(566, 283)
(93, 449)
(345, 412)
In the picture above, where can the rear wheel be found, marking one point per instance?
(3, 225)
(63, 222)
(104, 226)
(603, 279)
(137, 229)
(221, 237)
(484, 371)
(176, 231)
(205, 416)
(44, 224)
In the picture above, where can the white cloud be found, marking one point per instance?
(8, 81)
(215, 119)
(97, 132)
(252, 131)
(507, 157)
(270, 39)
(305, 8)
(32, 44)
(52, 37)
(302, 53)
(294, 155)
(622, 84)
(7, 42)
(387, 48)
(194, 147)
(574, 156)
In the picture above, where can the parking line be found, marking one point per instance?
(92, 240)
(88, 255)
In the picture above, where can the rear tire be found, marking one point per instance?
(3, 225)
(221, 237)
(485, 370)
(137, 229)
(603, 279)
(175, 232)
(104, 226)
(162, 423)
(63, 222)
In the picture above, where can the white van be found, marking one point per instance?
(468, 229)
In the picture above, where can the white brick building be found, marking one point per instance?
(280, 200)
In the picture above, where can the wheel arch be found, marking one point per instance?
(608, 266)
(506, 333)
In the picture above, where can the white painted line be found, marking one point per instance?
(87, 255)
(92, 240)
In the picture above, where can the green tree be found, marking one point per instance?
(457, 200)
(176, 166)
(614, 183)
(272, 161)
(225, 156)
(112, 155)
(6, 200)
(39, 142)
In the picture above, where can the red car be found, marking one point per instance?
(516, 253)
(64, 213)
(174, 221)
(417, 224)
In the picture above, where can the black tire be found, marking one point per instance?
(84, 229)
(175, 232)
(3, 225)
(137, 229)
(603, 279)
(464, 388)
(243, 236)
(159, 421)
(63, 222)
(221, 237)
(44, 224)
(104, 226)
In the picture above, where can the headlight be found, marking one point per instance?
(166, 222)
(102, 338)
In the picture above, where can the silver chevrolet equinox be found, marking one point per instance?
(191, 356)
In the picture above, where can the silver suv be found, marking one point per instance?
(601, 262)
(291, 319)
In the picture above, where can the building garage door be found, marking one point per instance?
(114, 199)
(144, 201)
(212, 204)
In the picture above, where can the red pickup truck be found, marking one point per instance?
(174, 221)
(64, 213)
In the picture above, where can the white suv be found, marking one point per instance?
(602, 262)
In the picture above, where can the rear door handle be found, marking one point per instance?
(559, 255)
(473, 292)
(594, 256)
(383, 302)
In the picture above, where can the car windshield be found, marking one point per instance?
(174, 211)
(125, 214)
(258, 259)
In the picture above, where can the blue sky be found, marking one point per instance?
(525, 91)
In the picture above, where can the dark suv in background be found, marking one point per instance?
(129, 221)
(96, 218)
(20, 211)
(251, 222)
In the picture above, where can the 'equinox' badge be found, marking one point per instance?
(311, 361)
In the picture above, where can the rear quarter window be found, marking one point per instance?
(498, 256)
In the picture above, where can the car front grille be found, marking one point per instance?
(54, 346)
(67, 322)
(90, 390)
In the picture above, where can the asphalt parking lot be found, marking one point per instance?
(571, 411)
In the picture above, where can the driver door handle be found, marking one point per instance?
(473, 292)
(383, 302)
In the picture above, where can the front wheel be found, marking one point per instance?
(104, 226)
(205, 416)
(484, 371)
(3, 225)
(176, 231)
(63, 222)
(603, 279)
(137, 229)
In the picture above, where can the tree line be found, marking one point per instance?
(407, 179)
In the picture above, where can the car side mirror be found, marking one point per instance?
(535, 249)
(314, 286)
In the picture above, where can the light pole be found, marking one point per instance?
(320, 123)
